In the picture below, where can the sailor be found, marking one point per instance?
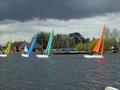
(92, 53)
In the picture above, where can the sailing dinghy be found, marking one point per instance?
(7, 50)
(49, 46)
(27, 52)
(98, 49)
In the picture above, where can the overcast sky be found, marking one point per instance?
(21, 19)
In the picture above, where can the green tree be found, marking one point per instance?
(108, 43)
(92, 44)
(79, 46)
(107, 33)
(86, 46)
(0, 48)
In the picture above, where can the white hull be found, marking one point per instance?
(3, 55)
(93, 56)
(111, 88)
(24, 55)
(41, 56)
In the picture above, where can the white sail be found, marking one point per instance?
(25, 48)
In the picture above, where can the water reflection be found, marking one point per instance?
(100, 61)
(51, 60)
(101, 70)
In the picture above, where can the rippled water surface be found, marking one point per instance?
(59, 72)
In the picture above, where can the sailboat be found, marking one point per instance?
(49, 46)
(7, 50)
(98, 49)
(25, 48)
(27, 52)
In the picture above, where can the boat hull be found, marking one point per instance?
(93, 56)
(111, 88)
(24, 55)
(3, 55)
(41, 56)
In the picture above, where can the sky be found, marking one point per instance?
(21, 19)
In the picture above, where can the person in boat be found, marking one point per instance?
(92, 53)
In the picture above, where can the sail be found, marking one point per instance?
(99, 43)
(9, 47)
(33, 44)
(25, 48)
(102, 48)
(49, 45)
(7, 51)
(97, 47)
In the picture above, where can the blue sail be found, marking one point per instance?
(33, 44)
(49, 45)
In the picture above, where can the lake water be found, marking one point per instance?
(59, 72)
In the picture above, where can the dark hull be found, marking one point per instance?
(71, 52)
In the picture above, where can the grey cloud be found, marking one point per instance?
(60, 9)
(16, 30)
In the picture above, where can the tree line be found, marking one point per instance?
(111, 39)
(76, 40)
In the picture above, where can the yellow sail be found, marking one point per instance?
(7, 51)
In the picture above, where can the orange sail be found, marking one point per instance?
(99, 43)
(102, 49)
(97, 47)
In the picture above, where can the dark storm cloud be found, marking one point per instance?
(61, 9)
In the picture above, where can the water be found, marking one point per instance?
(59, 72)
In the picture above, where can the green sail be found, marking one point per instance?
(49, 45)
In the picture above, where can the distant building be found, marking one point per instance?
(18, 46)
(77, 37)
